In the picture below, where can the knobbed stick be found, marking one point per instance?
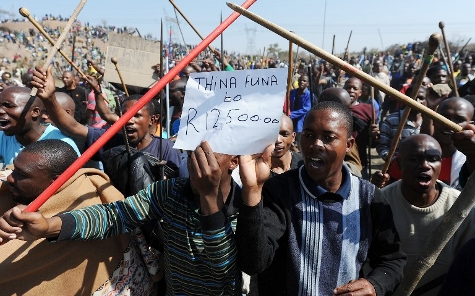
(191, 25)
(48, 192)
(290, 74)
(345, 66)
(434, 42)
(124, 133)
(54, 49)
(449, 59)
(115, 61)
(26, 13)
(439, 238)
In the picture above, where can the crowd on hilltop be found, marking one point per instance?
(307, 216)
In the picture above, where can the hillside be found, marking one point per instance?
(30, 57)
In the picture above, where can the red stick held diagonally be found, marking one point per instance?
(45, 195)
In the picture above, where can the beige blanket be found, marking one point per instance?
(62, 268)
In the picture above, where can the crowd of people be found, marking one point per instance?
(304, 217)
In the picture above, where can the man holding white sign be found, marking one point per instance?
(313, 228)
(200, 248)
(236, 112)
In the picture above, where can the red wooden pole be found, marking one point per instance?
(45, 195)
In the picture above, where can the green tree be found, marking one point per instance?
(273, 50)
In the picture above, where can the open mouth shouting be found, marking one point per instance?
(424, 179)
(315, 162)
(4, 123)
(130, 131)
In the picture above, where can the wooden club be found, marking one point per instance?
(114, 61)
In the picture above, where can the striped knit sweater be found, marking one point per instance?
(306, 241)
(200, 251)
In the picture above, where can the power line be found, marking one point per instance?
(251, 40)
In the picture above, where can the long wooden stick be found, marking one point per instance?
(54, 49)
(189, 23)
(347, 67)
(222, 45)
(115, 61)
(449, 59)
(333, 44)
(126, 140)
(26, 13)
(161, 50)
(434, 42)
(347, 50)
(161, 92)
(48, 192)
(290, 74)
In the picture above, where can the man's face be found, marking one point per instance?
(284, 139)
(439, 77)
(365, 91)
(353, 87)
(411, 70)
(137, 127)
(68, 79)
(469, 59)
(176, 97)
(303, 81)
(28, 180)
(421, 163)
(454, 111)
(12, 118)
(466, 69)
(324, 144)
(185, 73)
(377, 67)
(457, 65)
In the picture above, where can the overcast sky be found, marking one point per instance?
(374, 24)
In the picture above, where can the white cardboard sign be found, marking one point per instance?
(237, 112)
(136, 56)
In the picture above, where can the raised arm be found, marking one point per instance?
(44, 81)
(101, 106)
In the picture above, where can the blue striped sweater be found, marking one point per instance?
(306, 241)
(200, 251)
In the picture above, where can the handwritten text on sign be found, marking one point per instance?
(237, 112)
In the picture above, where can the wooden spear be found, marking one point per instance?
(333, 44)
(290, 74)
(449, 59)
(434, 42)
(347, 67)
(189, 23)
(54, 49)
(222, 46)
